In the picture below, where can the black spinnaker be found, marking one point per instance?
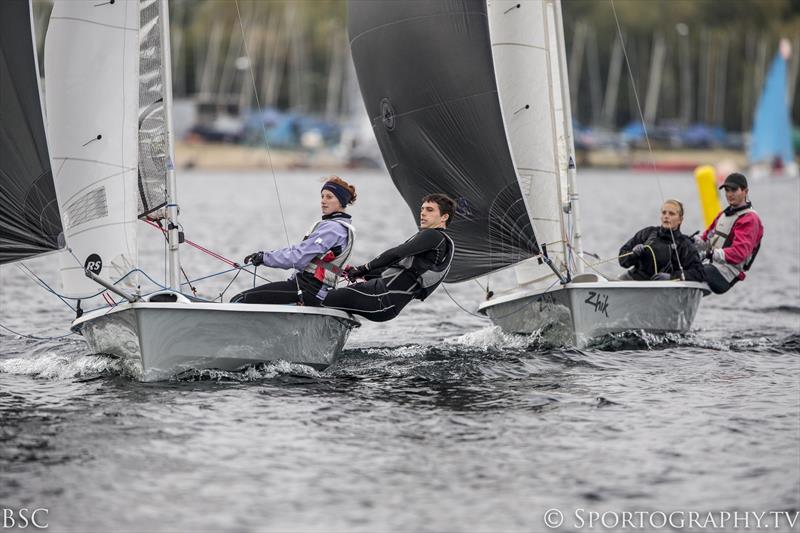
(427, 78)
(29, 219)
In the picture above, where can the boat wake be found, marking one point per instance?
(641, 340)
(484, 355)
(68, 360)
(265, 371)
(63, 364)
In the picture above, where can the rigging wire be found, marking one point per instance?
(485, 317)
(31, 274)
(266, 141)
(185, 276)
(213, 254)
(222, 292)
(644, 128)
(39, 281)
(34, 337)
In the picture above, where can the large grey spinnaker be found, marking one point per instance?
(427, 79)
(29, 218)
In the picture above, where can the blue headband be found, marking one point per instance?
(341, 193)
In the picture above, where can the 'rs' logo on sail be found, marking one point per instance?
(93, 264)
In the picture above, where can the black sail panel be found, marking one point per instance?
(426, 75)
(29, 219)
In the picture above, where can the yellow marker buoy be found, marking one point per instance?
(706, 179)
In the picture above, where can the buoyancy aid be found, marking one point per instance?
(327, 267)
(428, 273)
(721, 236)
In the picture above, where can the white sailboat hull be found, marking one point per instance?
(159, 340)
(577, 313)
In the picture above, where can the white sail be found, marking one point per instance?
(525, 49)
(92, 88)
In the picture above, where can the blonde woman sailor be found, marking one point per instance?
(661, 252)
(318, 258)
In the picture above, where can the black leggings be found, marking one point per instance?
(371, 299)
(715, 281)
(282, 292)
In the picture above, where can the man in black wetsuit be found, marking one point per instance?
(412, 270)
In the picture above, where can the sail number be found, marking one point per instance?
(598, 301)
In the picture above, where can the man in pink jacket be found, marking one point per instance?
(732, 240)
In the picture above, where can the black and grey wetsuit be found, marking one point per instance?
(412, 270)
(668, 259)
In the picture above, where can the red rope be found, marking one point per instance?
(203, 249)
(110, 301)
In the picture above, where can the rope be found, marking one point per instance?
(655, 263)
(485, 317)
(159, 286)
(109, 300)
(592, 265)
(213, 254)
(183, 271)
(222, 294)
(35, 337)
(42, 283)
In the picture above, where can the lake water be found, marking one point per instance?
(434, 421)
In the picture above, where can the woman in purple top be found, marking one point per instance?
(318, 258)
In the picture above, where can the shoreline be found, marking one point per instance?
(218, 156)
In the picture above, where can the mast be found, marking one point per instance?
(173, 235)
(572, 187)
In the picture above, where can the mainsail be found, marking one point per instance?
(426, 75)
(153, 137)
(92, 87)
(29, 219)
(526, 47)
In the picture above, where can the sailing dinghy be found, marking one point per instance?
(471, 99)
(770, 148)
(108, 92)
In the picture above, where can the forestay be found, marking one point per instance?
(29, 219)
(92, 87)
(426, 75)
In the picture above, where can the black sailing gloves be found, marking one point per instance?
(352, 273)
(256, 259)
(638, 250)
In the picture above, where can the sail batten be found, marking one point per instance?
(426, 76)
(29, 218)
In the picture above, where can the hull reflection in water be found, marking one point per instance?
(160, 340)
(577, 313)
